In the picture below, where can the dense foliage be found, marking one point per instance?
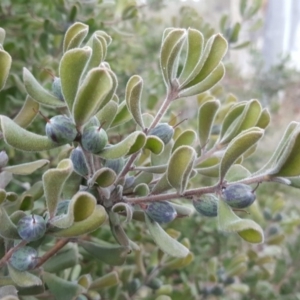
(119, 199)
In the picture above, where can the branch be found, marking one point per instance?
(60, 244)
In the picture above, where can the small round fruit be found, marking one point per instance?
(164, 131)
(79, 162)
(207, 205)
(161, 212)
(61, 129)
(238, 195)
(155, 284)
(31, 228)
(24, 258)
(94, 139)
(56, 88)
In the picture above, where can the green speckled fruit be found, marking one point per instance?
(79, 162)
(238, 195)
(164, 131)
(155, 284)
(207, 205)
(94, 139)
(56, 88)
(31, 228)
(61, 129)
(161, 212)
(24, 258)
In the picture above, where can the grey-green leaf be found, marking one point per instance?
(90, 95)
(38, 93)
(170, 50)
(75, 35)
(27, 168)
(237, 147)
(71, 69)
(53, 181)
(133, 95)
(206, 116)
(180, 167)
(5, 64)
(164, 241)
(24, 140)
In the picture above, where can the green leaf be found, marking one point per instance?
(81, 207)
(5, 64)
(141, 189)
(207, 83)
(180, 167)
(234, 35)
(8, 290)
(75, 35)
(164, 241)
(133, 95)
(170, 51)
(27, 168)
(104, 177)
(93, 222)
(247, 229)
(153, 169)
(162, 158)
(247, 119)
(38, 93)
(98, 45)
(236, 173)
(288, 162)
(237, 147)
(2, 196)
(291, 129)
(195, 41)
(182, 210)
(206, 116)
(27, 113)
(162, 185)
(107, 114)
(71, 69)
(8, 229)
(62, 260)
(186, 138)
(231, 116)
(111, 94)
(154, 144)
(95, 87)
(211, 57)
(53, 181)
(60, 287)
(105, 281)
(264, 119)
(2, 35)
(21, 139)
(123, 208)
(123, 115)
(114, 255)
(131, 144)
(23, 279)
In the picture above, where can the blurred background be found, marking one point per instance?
(263, 62)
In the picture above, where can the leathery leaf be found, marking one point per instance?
(164, 241)
(247, 229)
(75, 35)
(180, 167)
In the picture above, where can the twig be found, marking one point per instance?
(60, 244)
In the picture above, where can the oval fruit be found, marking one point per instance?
(94, 139)
(79, 162)
(61, 129)
(24, 258)
(161, 212)
(31, 228)
(238, 195)
(207, 205)
(164, 131)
